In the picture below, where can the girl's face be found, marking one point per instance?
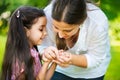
(65, 30)
(37, 31)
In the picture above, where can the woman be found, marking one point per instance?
(80, 30)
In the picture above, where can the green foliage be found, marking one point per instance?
(36, 3)
(115, 29)
(11, 5)
(111, 9)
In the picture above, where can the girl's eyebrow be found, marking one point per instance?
(41, 26)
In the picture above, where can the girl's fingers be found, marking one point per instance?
(44, 58)
(50, 53)
(56, 61)
(48, 56)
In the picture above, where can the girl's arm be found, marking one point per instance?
(42, 72)
(45, 72)
(50, 71)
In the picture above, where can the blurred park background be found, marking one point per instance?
(110, 7)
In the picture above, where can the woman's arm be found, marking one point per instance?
(66, 58)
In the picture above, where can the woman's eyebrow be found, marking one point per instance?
(55, 27)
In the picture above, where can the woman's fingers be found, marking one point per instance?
(60, 64)
(64, 57)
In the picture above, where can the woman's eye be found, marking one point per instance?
(55, 27)
(67, 30)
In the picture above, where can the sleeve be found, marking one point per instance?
(50, 38)
(98, 45)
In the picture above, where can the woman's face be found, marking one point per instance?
(65, 30)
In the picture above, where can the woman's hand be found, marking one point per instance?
(49, 53)
(63, 58)
(60, 57)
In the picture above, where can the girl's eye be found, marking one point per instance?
(41, 29)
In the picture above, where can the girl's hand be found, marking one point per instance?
(49, 53)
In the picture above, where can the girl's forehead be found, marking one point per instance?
(40, 22)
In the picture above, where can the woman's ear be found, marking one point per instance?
(27, 31)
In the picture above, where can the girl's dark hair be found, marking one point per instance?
(17, 45)
(70, 12)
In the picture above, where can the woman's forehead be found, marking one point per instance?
(62, 25)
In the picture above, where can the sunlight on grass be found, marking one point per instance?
(2, 47)
(114, 67)
(115, 29)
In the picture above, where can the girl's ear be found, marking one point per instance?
(27, 31)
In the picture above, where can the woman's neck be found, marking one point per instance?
(71, 41)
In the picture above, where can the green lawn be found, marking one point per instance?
(114, 67)
(2, 47)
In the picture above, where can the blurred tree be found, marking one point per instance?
(8, 6)
(38, 3)
(3, 6)
(111, 8)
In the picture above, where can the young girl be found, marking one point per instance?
(21, 59)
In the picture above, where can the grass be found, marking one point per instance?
(2, 47)
(112, 72)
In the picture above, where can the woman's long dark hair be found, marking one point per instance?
(17, 45)
(70, 12)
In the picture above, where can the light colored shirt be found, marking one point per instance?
(93, 42)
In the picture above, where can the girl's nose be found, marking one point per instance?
(45, 33)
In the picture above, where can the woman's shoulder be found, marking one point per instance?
(95, 14)
(96, 19)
